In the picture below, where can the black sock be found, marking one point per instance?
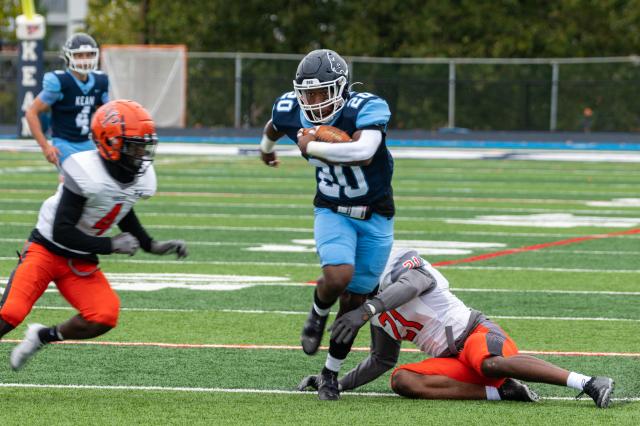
(319, 303)
(339, 350)
(48, 335)
(326, 371)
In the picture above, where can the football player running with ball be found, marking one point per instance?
(354, 205)
(471, 357)
(99, 191)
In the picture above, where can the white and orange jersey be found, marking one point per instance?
(424, 320)
(108, 200)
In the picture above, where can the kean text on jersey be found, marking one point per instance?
(85, 100)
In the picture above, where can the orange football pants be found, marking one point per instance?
(91, 295)
(485, 341)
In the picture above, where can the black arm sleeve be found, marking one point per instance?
(132, 225)
(384, 356)
(64, 226)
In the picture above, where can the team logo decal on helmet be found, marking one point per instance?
(81, 53)
(321, 85)
(125, 133)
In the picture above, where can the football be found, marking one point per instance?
(329, 134)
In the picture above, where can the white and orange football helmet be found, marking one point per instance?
(125, 133)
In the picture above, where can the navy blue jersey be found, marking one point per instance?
(345, 185)
(73, 102)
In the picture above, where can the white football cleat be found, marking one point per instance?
(27, 348)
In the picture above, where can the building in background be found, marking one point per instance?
(64, 17)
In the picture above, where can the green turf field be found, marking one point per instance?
(214, 339)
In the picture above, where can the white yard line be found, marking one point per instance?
(301, 264)
(254, 243)
(31, 224)
(301, 313)
(241, 391)
(242, 346)
(532, 268)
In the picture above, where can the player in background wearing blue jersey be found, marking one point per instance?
(354, 205)
(72, 96)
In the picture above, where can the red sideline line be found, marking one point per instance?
(291, 347)
(536, 247)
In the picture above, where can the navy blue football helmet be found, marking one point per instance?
(81, 53)
(323, 71)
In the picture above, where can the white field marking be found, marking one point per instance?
(248, 391)
(199, 227)
(605, 252)
(284, 283)
(253, 206)
(161, 281)
(238, 244)
(533, 268)
(188, 389)
(442, 190)
(305, 207)
(310, 230)
(510, 290)
(304, 265)
(263, 195)
(576, 156)
(234, 151)
(470, 290)
(423, 247)
(300, 313)
(411, 172)
(242, 346)
(26, 169)
(616, 202)
(191, 243)
(195, 262)
(298, 248)
(195, 181)
(551, 220)
(554, 220)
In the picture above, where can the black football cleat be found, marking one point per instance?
(328, 388)
(600, 390)
(514, 390)
(312, 332)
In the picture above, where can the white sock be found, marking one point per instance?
(333, 364)
(321, 312)
(577, 380)
(492, 393)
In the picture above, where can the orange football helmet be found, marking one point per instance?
(125, 133)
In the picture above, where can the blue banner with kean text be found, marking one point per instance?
(30, 73)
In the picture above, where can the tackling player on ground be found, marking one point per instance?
(354, 206)
(99, 191)
(72, 96)
(472, 357)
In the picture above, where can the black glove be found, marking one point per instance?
(124, 243)
(345, 328)
(179, 247)
(308, 382)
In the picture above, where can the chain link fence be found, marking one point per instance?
(238, 90)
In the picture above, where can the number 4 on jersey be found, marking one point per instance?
(105, 223)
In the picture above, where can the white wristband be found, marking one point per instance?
(266, 144)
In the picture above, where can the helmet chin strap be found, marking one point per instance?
(118, 172)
